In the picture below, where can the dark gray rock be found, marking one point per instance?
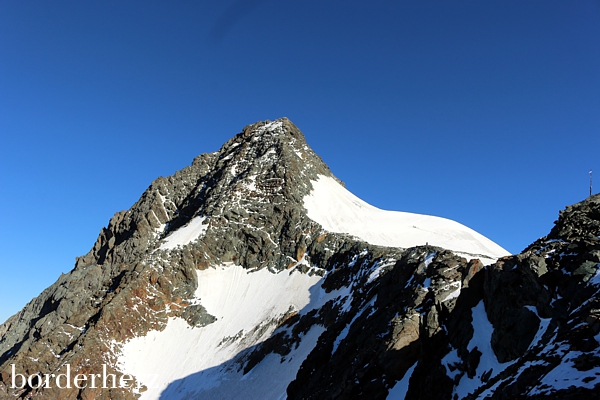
(416, 313)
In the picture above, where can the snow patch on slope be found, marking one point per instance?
(248, 307)
(338, 210)
(186, 234)
(488, 363)
(398, 392)
(267, 380)
(566, 375)
(346, 329)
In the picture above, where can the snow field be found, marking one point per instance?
(244, 303)
(338, 210)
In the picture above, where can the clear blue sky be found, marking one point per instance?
(485, 112)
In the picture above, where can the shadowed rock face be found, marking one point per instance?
(514, 329)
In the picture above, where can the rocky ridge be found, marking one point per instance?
(423, 320)
(524, 327)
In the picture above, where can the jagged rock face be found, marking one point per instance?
(527, 326)
(219, 282)
(250, 191)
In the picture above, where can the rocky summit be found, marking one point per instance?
(254, 274)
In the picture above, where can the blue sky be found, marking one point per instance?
(485, 112)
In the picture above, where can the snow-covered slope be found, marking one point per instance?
(338, 210)
(184, 235)
(187, 361)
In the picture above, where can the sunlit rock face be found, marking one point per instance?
(253, 273)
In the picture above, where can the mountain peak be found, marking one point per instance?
(268, 162)
(280, 126)
(254, 273)
(267, 133)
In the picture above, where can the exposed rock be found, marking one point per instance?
(448, 326)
